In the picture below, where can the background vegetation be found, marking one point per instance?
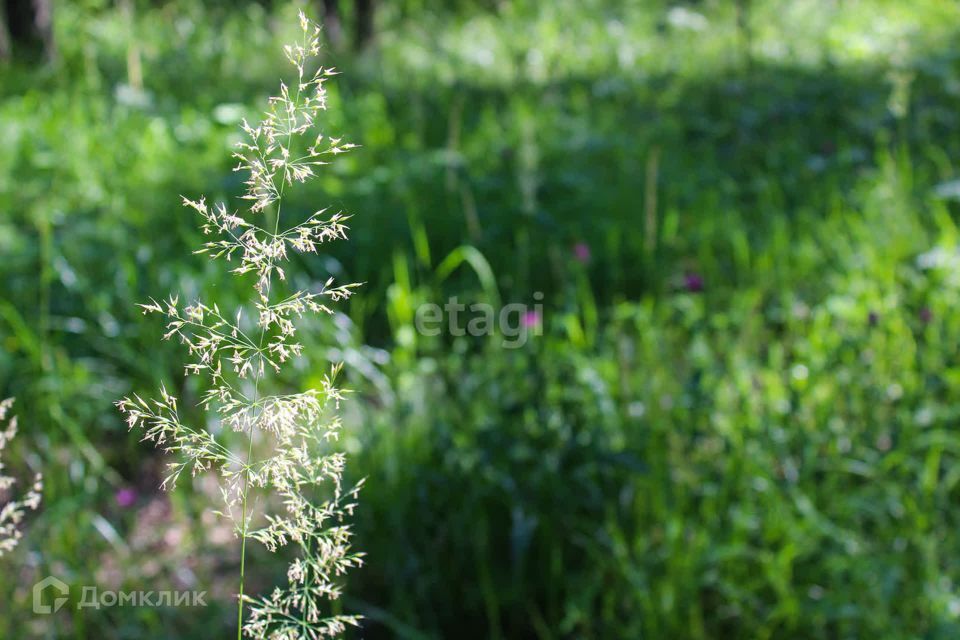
(740, 421)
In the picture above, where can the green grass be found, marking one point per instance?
(772, 456)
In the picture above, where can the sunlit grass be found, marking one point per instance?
(739, 421)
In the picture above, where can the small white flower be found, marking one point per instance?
(12, 512)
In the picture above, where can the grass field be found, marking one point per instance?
(739, 420)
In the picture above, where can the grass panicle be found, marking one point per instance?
(236, 352)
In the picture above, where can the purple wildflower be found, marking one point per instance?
(126, 497)
(693, 282)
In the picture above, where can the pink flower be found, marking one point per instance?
(581, 251)
(125, 497)
(531, 319)
(693, 282)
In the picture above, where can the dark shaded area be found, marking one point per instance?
(26, 29)
(362, 16)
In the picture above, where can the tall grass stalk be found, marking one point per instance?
(235, 351)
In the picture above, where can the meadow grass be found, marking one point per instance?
(739, 421)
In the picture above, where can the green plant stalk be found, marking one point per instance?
(246, 471)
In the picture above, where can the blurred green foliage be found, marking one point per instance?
(739, 421)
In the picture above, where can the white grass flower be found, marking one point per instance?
(235, 352)
(12, 512)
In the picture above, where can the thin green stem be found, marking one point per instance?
(246, 470)
(256, 397)
(243, 540)
(306, 586)
(246, 481)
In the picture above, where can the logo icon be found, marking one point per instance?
(61, 589)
